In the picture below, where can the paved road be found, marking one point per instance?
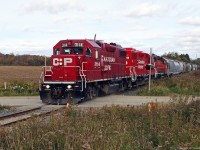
(97, 102)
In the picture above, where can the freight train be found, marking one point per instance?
(82, 69)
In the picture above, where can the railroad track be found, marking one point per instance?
(21, 115)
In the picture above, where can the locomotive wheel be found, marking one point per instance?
(135, 84)
(105, 89)
(90, 92)
(48, 101)
(129, 84)
(70, 99)
(95, 92)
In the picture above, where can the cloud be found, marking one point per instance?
(183, 41)
(145, 10)
(68, 19)
(52, 6)
(190, 21)
(25, 47)
(46, 31)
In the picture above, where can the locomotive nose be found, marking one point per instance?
(65, 68)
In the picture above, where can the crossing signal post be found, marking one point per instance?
(150, 70)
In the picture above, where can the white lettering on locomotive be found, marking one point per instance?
(108, 59)
(96, 64)
(107, 67)
(140, 67)
(59, 61)
(67, 60)
(141, 62)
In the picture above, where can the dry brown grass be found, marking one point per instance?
(22, 73)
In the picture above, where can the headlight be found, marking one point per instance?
(47, 86)
(69, 86)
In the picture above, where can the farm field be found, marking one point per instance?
(20, 73)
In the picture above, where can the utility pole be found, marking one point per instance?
(150, 70)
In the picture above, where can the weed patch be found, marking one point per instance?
(19, 88)
(170, 126)
(184, 84)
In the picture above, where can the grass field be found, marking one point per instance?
(182, 84)
(20, 73)
(20, 80)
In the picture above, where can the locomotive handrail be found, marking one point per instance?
(42, 74)
(156, 73)
(40, 80)
(82, 75)
(45, 69)
(132, 72)
(135, 74)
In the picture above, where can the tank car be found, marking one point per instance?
(82, 69)
(171, 68)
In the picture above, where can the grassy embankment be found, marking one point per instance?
(171, 126)
(183, 84)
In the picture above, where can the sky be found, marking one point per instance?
(35, 26)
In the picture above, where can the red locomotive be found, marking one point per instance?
(160, 66)
(81, 69)
(136, 65)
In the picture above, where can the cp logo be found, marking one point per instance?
(59, 61)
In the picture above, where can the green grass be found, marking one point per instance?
(183, 84)
(19, 88)
(168, 126)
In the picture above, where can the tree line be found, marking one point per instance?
(181, 57)
(37, 60)
(23, 60)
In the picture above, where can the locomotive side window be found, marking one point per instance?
(122, 53)
(78, 50)
(67, 51)
(57, 51)
(88, 53)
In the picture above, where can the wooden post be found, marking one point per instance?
(5, 85)
(45, 61)
(150, 70)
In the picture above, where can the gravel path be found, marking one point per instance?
(97, 102)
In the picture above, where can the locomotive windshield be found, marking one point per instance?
(72, 50)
